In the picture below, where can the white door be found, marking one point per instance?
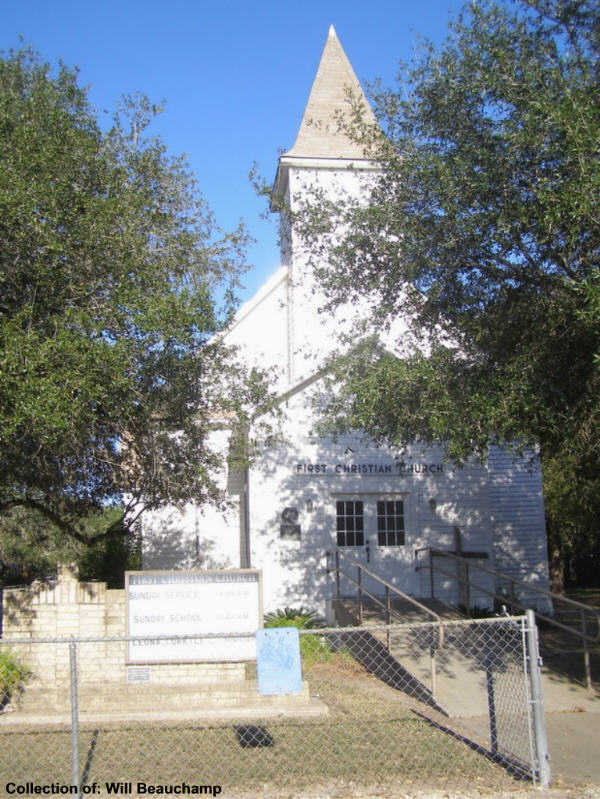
(372, 530)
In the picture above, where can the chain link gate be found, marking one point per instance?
(368, 715)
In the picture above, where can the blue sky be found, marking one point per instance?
(235, 75)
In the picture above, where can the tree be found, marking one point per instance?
(33, 547)
(112, 371)
(483, 232)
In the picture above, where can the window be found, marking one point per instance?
(350, 523)
(390, 522)
(382, 522)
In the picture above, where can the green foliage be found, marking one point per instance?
(115, 283)
(13, 675)
(294, 617)
(108, 558)
(313, 648)
(482, 233)
(32, 548)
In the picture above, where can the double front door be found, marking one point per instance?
(372, 529)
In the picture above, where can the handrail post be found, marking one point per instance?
(431, 577)
(467, 590)
(513, 598)
(388, 614)
(395, 591)
(586, 652)
(359, 590)
(433, 670)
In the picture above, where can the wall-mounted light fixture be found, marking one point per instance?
(433, 504)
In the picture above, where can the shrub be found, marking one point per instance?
(294, 617)
(313, 648)
(13, 675)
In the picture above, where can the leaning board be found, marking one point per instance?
(165, 608)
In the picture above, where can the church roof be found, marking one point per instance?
(320, 135)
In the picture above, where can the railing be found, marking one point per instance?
(386, 604)
(462, 574)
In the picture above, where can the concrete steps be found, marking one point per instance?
(347, 611)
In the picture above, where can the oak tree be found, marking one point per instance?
(115, 283)
(482, 232)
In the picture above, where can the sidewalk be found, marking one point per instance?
(574, 746)
(573, 729)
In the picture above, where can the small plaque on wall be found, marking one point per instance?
(289, 527)
(138, 674)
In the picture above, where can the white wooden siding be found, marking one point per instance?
(518, 522)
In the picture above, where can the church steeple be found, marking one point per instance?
(320, 135)
(321, 141)
(325, 162)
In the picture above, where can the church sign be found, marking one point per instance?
(168, 612)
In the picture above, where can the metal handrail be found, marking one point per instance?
(389, 588)
(582, 633)
(381, 581)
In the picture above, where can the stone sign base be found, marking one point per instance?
(114, 704)
(108, 687)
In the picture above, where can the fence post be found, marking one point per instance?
(586, 652)
(490, 663)
(539, 722)
(74, 718)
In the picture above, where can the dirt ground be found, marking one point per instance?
(559, 791)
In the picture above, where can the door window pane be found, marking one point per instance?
(349, 523)
(390, 522)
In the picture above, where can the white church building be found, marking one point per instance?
(309, 494)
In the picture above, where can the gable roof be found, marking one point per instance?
(319, 135)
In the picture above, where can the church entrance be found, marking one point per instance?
(373, 529)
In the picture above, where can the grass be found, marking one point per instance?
(370, 737)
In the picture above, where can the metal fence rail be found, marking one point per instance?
(364, 717)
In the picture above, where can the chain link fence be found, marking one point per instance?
(379, 708)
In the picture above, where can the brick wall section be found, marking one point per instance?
(70, 608)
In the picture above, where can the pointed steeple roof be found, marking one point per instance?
(320, 135)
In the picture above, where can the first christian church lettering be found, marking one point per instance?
(301, 498)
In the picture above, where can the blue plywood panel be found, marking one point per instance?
(278, 661)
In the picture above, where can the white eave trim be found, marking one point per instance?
(271, 285)
(327, 163)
